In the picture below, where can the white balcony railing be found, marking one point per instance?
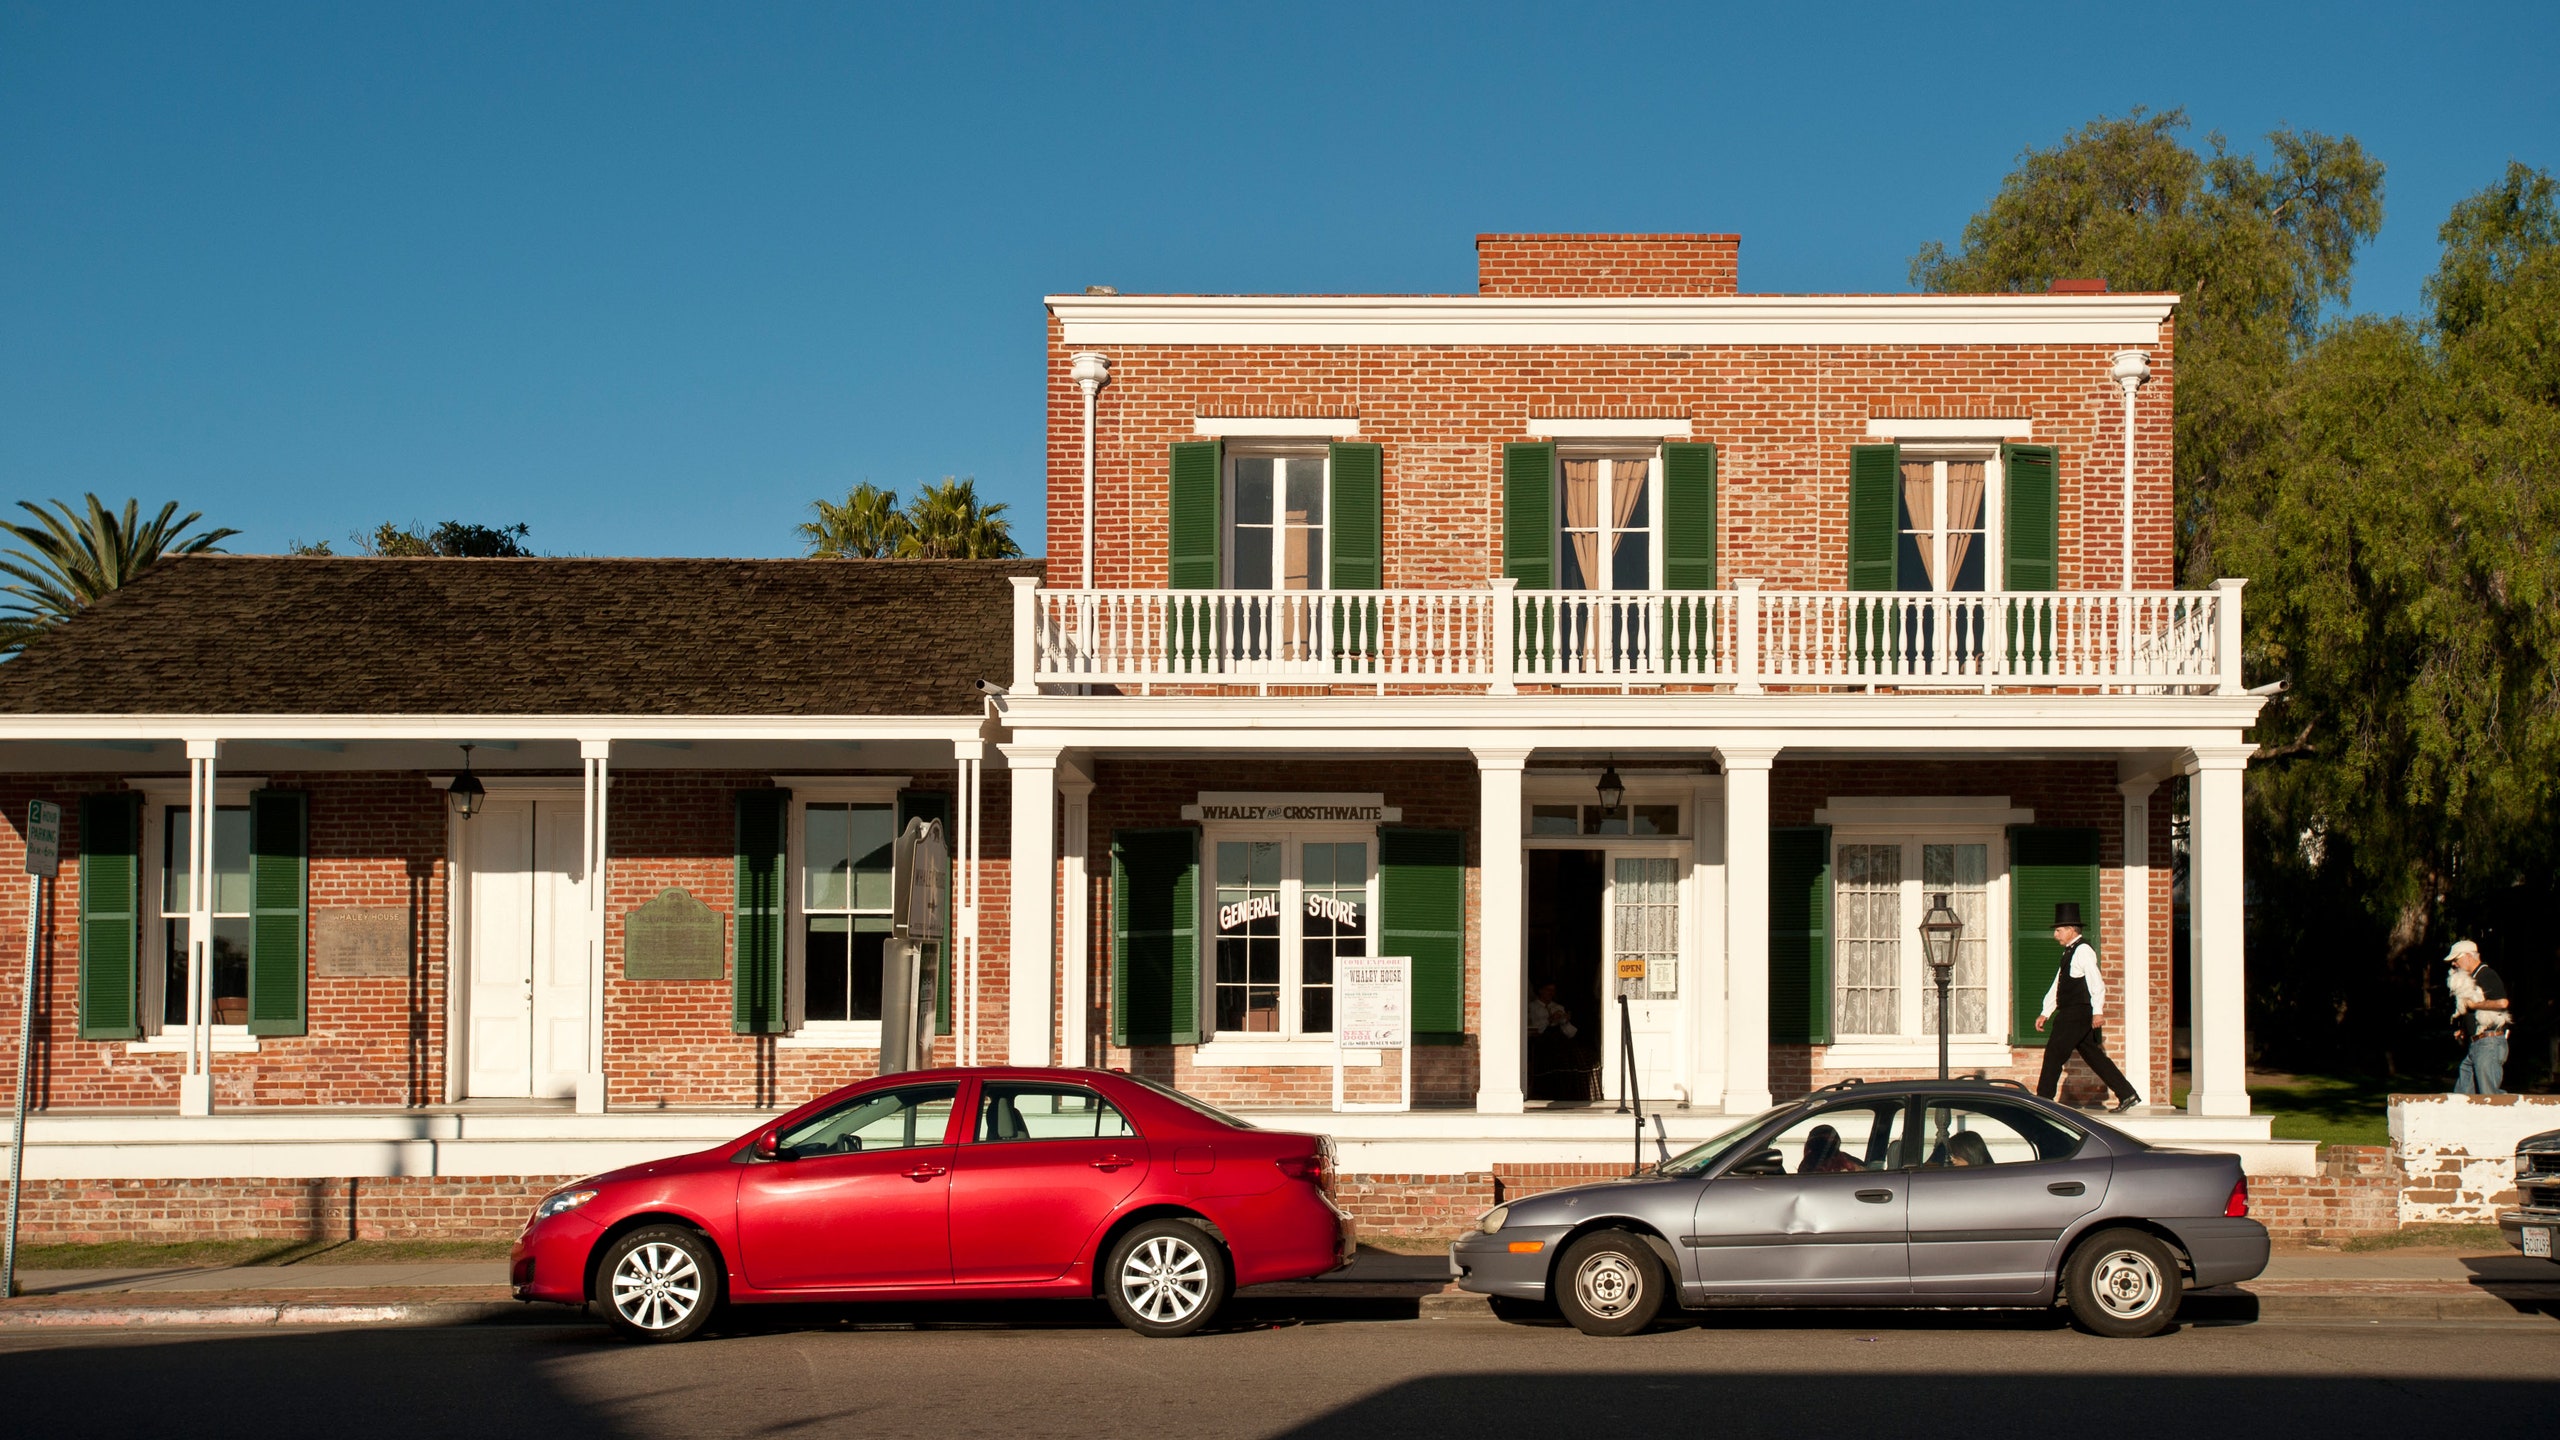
(1748, 639)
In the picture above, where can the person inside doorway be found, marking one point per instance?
(1552, 1035)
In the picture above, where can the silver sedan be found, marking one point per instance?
(1905, 1193)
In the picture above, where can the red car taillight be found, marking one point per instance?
(1315, 1169)
(2237, 1207)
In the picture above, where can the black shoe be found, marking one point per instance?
(2126, 1103)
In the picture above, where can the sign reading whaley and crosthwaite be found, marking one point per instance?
(1369, 1002)
(1259, 807)
(44, 838)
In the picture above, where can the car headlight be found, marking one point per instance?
(560, 1202)
(1493, 1218)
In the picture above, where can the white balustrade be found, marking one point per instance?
(1747, 638)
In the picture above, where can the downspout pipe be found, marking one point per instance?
(2131, 370)
(1091, 371)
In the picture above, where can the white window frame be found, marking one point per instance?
(160, 795)
(1290, 1044)
(1608, 454)
(1320, 566)
(803, 1033)
(1994, 497)
(1913, 822)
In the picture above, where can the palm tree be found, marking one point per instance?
(867, 526)
(947, 522)
(68, 560)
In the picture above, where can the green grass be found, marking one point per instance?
(144, 1255)
(2332, 1109)
(2460, 1237)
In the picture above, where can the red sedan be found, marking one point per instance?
(950, 1184)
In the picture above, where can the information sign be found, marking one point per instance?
(1369, 997)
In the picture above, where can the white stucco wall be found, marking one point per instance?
(2458, 1152)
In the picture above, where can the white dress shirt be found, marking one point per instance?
(2083, 963)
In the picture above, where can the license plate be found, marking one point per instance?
(2537, 1242)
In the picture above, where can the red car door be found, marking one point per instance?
(859, 1195)
(1045, 1167)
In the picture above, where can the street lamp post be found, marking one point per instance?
(1938, 932)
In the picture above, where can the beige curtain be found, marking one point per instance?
(1964, 512)
(1919, 509)
(1626, 490)
(1582, 516)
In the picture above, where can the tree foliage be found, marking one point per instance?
(451, 539)
(2256, 250)
(946, 521)
(65, 560)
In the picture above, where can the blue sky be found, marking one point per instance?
(650, 278)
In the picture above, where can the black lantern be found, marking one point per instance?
(1939, 930)
(467, 791)
(1613, 791)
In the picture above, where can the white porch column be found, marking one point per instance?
(1746, 934)
(1075, 1037)
(2217, 989)
(595, 760)
(2134, 944)
(1502, 1004)
(1032, 871)
(195, 1085)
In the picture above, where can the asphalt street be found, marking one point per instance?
(1065, 1372)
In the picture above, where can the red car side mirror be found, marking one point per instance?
(768, 1146)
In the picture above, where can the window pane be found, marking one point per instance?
(1965, 524)
(1961, 873)
(827, 851)
(1631, 545)
(1844, 1140)
(1335, 923)
(874, 833)
(1555, 819)
(1302, 558)
(1868, 998)
(1305, 491)
(1253, 489)
(1990, 1132)
(1657, 820)
(1046, 1112)
(884, 1120)
(230, 861)
(1249, 534)
(1248, 930)
(826, 991)
(1645, 924)
(1599, 821)
(1578, 566)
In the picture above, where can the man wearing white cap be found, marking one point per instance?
(2479, 1020)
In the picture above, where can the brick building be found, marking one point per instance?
(1607, 630)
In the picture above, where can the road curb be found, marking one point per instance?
(413, 1314)
(1454, 1304)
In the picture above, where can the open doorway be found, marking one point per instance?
(1566, 891)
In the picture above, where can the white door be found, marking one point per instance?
(1641, 926)
(528, 991)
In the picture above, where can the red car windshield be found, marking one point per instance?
(1202, 1107)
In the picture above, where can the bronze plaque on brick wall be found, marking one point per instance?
(360, 940)
(674, 937)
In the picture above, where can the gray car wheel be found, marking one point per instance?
(1609, 1283)
(2124, 1284)
(661, 1283)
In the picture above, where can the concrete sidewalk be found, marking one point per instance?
(2438, 1285)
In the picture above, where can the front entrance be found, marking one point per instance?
(1602, 924)
(527, 949)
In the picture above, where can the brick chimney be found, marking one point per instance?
(1608, 265)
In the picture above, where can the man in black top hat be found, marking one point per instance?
(2072, 1004)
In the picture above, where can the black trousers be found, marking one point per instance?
(2067, 1035)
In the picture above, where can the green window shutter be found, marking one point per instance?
(2047, 865)
(1688, 516)
(2031, 533)
(1875, 474)
(1800, 934)
(757, 1000)
(1422, 904)
(279, 911)
(1193, 523)
(1155, 937)
(934, 805)
(110, 914)
(1529, 515)
(1358, 529)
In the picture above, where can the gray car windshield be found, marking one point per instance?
(1692, 1161)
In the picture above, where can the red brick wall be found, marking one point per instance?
(409, 1207)
(1132, 793)
(2356, 1192)
(1608, 264)
(1783, 417)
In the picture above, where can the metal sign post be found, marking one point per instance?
(919, 921)
(1373, 1010)
(44, 861)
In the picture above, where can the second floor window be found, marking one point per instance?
(1608, 527)
(1940, 519)
(1276, 522)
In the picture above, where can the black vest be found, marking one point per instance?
(2071, 994)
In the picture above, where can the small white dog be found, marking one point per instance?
(2465, 990)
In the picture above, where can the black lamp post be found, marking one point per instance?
(1938, 932)
(467, 791)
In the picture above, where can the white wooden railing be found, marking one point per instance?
(1749, 639)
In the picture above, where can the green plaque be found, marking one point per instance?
(674, 937)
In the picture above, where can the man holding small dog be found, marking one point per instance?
(2479, 1021)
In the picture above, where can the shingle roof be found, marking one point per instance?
(288, 635)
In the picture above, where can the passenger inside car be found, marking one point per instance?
(1823, 1155)
(1966, 1148)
